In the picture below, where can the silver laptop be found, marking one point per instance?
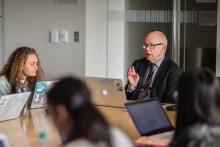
(150, 118)
(12, 105)
(106, 91)
(39, 97)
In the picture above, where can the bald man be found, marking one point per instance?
(154, 75)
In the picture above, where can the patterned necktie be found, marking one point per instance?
(145, 92)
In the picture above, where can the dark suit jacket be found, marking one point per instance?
(164, 83)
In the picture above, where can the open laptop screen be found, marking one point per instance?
(106, 91)
(149, 117)
(11, 105)
(39, 97)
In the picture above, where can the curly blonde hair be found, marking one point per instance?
(14, 66)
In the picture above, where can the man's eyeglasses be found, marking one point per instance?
(151, 45)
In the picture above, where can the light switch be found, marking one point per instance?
(54, 36)
(76, 36)
(64, 36)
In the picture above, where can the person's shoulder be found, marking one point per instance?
(140, 60)
(120, 138)
(197, 135)
(202, 131)
(5, 87)
(171, 64)
(3, 79)
(79, 142)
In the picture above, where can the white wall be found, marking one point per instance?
(104, 39)
(1, 41)
(28, 22)
(96, 42)
(218, 42)
(1, 33)
(116, 37)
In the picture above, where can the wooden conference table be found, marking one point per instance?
(24, 131)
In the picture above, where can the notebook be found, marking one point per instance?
(106, 91)
(11, 105)
(149, 117)
(39, 97)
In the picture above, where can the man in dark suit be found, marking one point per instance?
(154, 75)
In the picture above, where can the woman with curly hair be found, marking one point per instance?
(21, 72)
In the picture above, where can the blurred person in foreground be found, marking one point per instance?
(198, 112)
(78, 120)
